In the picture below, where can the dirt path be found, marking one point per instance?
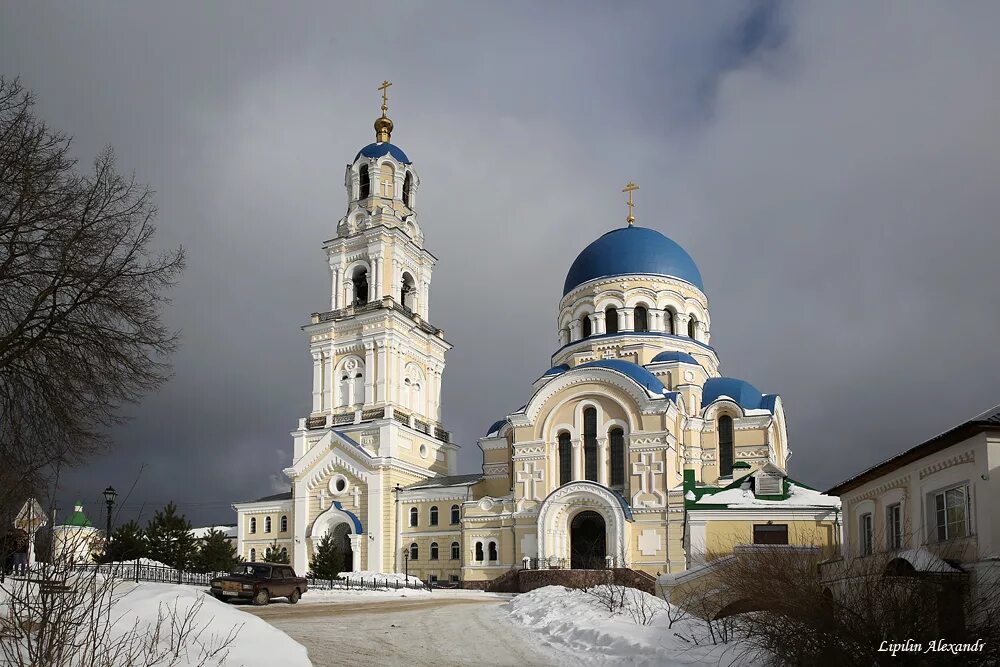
(443, 632)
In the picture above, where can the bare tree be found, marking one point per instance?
(81, 295)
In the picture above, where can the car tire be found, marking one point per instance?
(261, 597)
(219, 596)
(294, 597)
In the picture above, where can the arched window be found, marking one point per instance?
(414, 551)
(586, 327)
(407, 188)
(359, 279)
(692, 327)
(725, 446)
(434, 516)
(456, 551)
(611, 320)
(267, 524)
(641, 318)
(364, 182)
(351, 383)
(407, 291)
(284, 553)
(617, 438)
(253, 525)
(668, 320)
(565, 459)
(493, 552)
(414, 514)
(253, 555)
(284, 523)
(590, 444)
(434, 550)
(455, 514)
(479, 552)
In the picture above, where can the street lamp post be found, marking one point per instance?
(406, 564)
(109, 497)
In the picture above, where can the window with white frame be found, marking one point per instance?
(253, 525)
(951, 513)
(866, 533)
(894, 526)
(414, 514)
(493, 552)
(267, 524)
(479, 552)
(456, 551)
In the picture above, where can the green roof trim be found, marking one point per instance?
(78, 518)
(741, 464)
(700, 492)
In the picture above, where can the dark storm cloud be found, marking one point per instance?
(831, 168)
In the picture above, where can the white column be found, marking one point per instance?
(328, 380)
(425, 305)
(379, 290)
(574, 331)
(563, 337)
(334, 287)
(317, 381)
(628, 323)
(655, 320)
(602, 461)
(380, 388)
(369, 373)
(598, 322)
(577, 460)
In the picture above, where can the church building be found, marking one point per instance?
(632, 451)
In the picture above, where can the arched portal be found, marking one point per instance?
(342, 538)
(588, 541)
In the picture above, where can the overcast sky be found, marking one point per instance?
(833, 169)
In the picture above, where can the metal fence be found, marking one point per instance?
(138, 571)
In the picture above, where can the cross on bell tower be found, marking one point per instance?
(630, 188)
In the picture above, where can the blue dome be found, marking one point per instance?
(631, 250)
(495, 427)
(379, 149)
(556, 370)
(672, 355)
(741, 391)
(636, 373)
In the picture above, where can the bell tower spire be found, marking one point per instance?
(383, 124)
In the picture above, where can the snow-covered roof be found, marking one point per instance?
(797, 496)
(200, 533)
(923, 560)
(450, 480)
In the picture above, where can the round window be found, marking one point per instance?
(423, 451)
(338, 485)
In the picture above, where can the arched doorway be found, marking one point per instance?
(342, 538)
(588, 541)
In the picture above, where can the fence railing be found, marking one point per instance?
(138, 571)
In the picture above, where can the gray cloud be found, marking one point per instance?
(831, 168)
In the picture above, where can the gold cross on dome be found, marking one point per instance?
(385, 97)
(630, 188)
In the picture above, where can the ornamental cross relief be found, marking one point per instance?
(357, 496)
(528, 476)
(647, 469)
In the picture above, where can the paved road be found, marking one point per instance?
(443, 631)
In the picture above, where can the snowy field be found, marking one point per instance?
(579, 624)
(145, 609)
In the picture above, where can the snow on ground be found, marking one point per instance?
(139, 608)
(578, 622)
(368, 575)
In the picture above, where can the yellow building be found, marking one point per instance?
(604, 466)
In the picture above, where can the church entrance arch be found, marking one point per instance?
(588, 541)
(342, 538)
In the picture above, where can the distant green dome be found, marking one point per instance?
(78, 518)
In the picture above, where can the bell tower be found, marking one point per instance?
(375, 347)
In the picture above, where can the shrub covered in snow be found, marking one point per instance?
(616, 624)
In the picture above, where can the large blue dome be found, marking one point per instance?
(631, 250)
(379, 149)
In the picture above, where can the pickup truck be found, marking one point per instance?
(259, 582)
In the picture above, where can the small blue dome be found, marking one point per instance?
(556, 370)
(741, 391)
(632, 250)
(495, 427)
(672, 355)
(636, 373)
(377, 150)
